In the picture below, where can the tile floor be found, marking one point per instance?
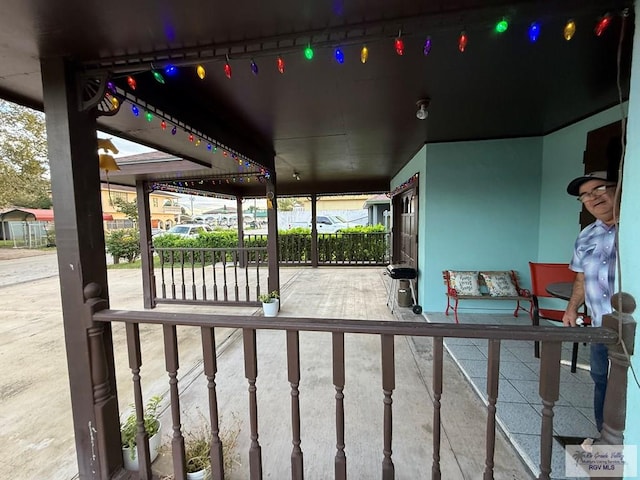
(519, 405)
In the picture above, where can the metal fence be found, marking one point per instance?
(29, 234)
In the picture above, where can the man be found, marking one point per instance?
(594, 261)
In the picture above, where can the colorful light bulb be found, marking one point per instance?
(209, 146)
(502, 26)
(201, 72)
(191, 137)
(602, 24)
(115, 103)
(534, 32)
(131, 82)
(399, 44)
(308, 53)
(227, 70)
(254, 67)
(148, 115)
(157, 76)
(569, 30)
(163, 125)
(135, 110)
(174, 130)
(338, 55)
(364, 54)
(170, 70)
(426, 49)
(462, 41)
(198, 142)
(280, 63)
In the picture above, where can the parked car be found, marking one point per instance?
(324, 224)
(187, 230)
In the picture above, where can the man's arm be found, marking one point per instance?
(575, 302)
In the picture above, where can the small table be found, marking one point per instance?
(560, 290)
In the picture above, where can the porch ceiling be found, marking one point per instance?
(343, 128)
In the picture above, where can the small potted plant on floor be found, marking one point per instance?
(129, 431)
(270, 303)
(197, 449)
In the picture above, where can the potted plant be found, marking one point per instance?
(129, 431)
(197, 449)
(270, 303)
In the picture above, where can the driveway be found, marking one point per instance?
(21, 265)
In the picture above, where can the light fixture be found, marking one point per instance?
(296, 175)
(422, 105)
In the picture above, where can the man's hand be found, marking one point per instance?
(569, 318)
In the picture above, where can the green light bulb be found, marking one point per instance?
(148, 116)
(308, 52)
(502, 26)
(158, 76)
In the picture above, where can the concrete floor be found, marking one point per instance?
(35, 408)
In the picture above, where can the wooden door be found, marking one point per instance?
(405, 227)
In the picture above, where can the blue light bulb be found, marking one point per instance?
(339, 55)
(534, 32)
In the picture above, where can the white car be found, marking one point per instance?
(188, 230)
(330, 223)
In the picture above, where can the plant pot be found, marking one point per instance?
(154, 446)
(271, 309)
(199, 475)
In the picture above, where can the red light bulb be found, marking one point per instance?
(163, 125)
(280, 65)
(602, 24)
(462, 41)
(399, 44)
(227, 70)
(131, 82)
(191, 137)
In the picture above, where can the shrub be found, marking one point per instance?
(124, 243)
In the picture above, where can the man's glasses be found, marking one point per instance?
(594, 193)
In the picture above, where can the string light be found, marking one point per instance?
(174, 130)
(602, 24)
(502, 26)
(308, 52)
(134, 110)
(158, 76)
(131, 82)
(191, 137)
(399, 44)
(254, 67)
(201, 72)
(339, 55)
(569, 30)
(280, 63)
(534, 32)
(170, 70)
(462, 41)
(115, 102)
(364, 54)
(198, 142)
(427, 46)
(163, 125)
(148, 115)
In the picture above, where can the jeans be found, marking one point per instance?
(599, 374)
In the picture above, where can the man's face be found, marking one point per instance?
(598, 200)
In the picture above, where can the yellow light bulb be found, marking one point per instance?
(569, 30)
(201, 72)
(115, 103)
(364, 54)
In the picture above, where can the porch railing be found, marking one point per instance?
(221, 276)
(550, 338)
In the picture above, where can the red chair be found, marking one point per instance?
(542, 274)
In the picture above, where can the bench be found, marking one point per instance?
(484, 285)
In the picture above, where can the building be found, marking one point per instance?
(163, 206)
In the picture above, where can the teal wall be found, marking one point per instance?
(562, 156)
(630, 233)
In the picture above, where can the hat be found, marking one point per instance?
(574, 187)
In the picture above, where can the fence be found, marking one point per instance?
(29, 234)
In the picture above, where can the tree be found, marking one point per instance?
(286, 204)
(24, 166)
(130, 209)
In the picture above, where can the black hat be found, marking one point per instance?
(574, 187)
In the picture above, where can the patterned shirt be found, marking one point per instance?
(594, 255)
